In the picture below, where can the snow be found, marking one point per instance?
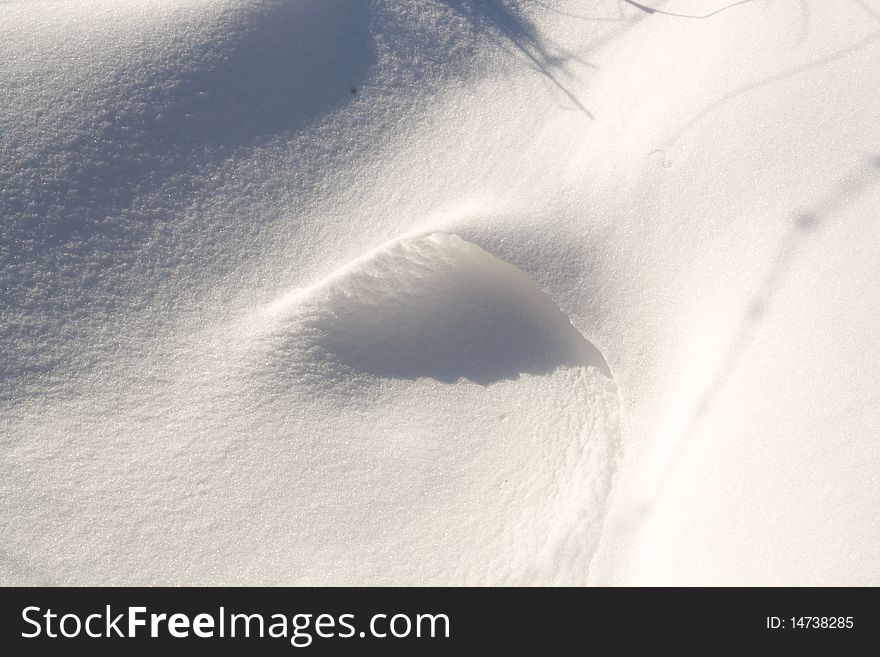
(439, 292)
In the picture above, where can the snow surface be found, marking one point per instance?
(332, 291)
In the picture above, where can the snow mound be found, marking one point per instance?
(498, 440)
(436, 307)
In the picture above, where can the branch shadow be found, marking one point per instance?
(504, 21)
(507, 24)
(803, 230)
(805, 226)
(655, 10)
(783, 75)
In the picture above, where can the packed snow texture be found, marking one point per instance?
(439, 292)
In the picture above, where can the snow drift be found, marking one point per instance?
(435, 307)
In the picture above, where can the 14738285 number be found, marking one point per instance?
(821, 622)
